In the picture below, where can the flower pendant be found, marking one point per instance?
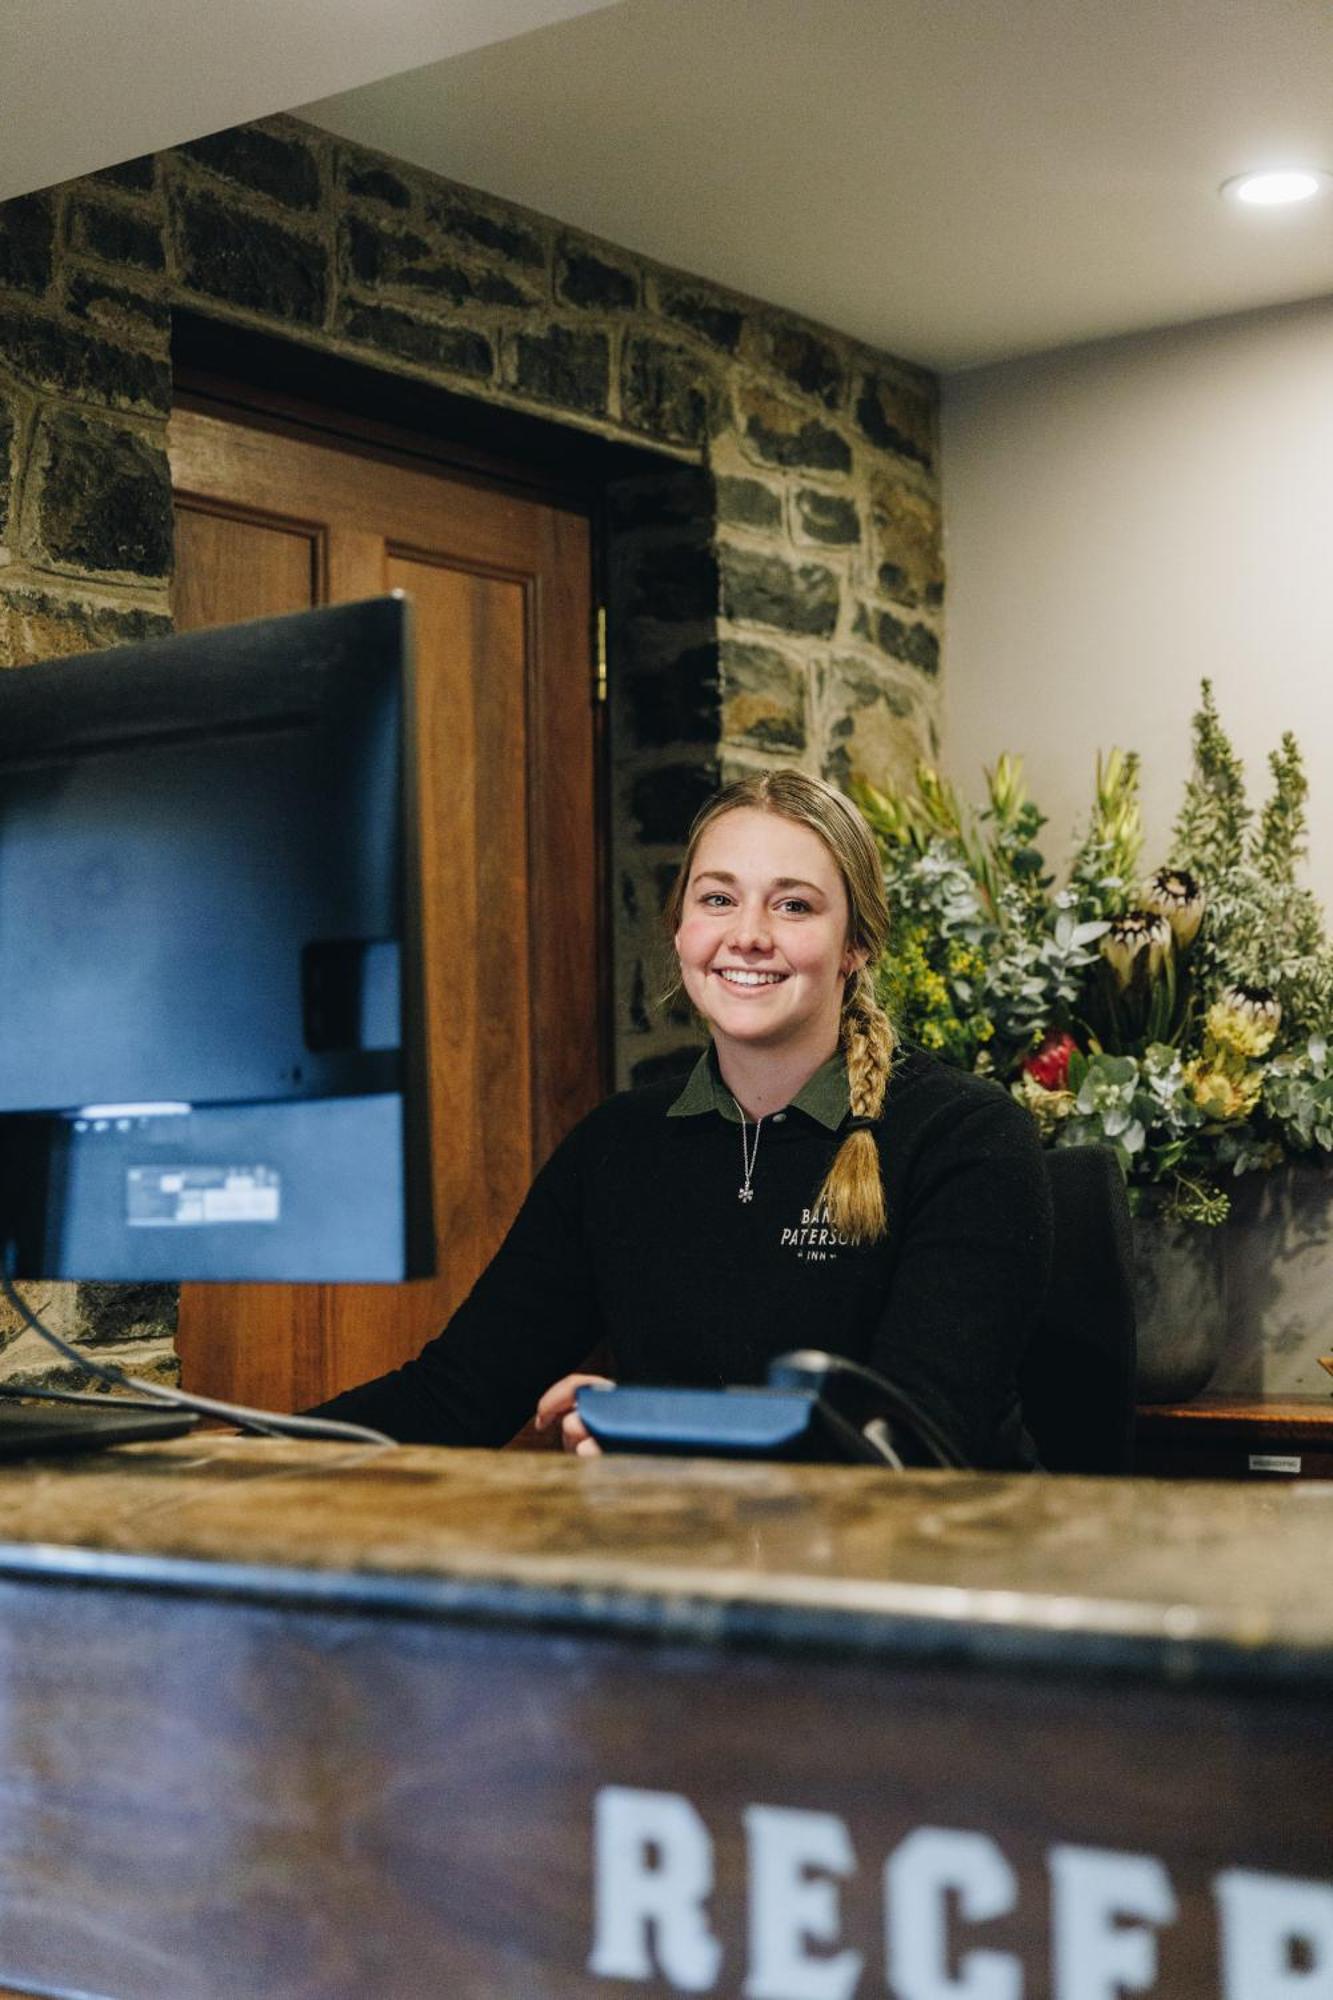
(745, 1194)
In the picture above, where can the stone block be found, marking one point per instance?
(674, 584)
(8, 427)
(111, 1315)
(564, 367)
(583, 278)
(664, 391)
(470, 223)
(460, 350)
(245, 259)
(664, 802)
(133, 176)
(104, 497)
(813, 366)
(283, 168)
(748, 503)
(778, 433)
(507, 288)
(664, 881)
(399, 260)
(48, 355)
(899, 415)
(44, 626)
(763, 698)
(827, 517)
(115, 235)
(27, 243)
(677, 702)
(368, 180)
(23, 1348)
(640, 1018)
(906, 543)
(873, 729)
(762, 589)
(372, 255)
(117, 310)
(668, 499)
(31, 1367)
(913, 643)
(703, 312)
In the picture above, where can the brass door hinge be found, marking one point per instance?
(599, 670)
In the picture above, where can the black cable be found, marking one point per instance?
(268, 1423)
(19, 1392)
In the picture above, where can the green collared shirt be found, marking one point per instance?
(823, 1097)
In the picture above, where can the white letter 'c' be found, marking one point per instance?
(919, 1874)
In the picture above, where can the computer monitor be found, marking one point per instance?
(212, 1059)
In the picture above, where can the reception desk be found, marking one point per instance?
(283, 1720)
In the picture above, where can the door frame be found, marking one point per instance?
(288, 388)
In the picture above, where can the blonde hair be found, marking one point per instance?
(853, 1191)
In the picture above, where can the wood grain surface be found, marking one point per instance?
(1222, 1437)
(210, 1801)
(270, 520)
(229, 1770)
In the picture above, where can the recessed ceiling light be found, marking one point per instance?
(1276, 187)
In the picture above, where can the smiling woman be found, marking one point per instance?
(899, 1215)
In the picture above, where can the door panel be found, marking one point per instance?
(270, 520)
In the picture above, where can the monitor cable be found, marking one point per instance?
(267, 1423)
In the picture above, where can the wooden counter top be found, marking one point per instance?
(318, 1723)
(1179, 1580)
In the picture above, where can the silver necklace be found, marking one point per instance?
(749, 1155)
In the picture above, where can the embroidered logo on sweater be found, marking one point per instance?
(814, 1239)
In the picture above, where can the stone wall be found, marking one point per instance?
(774, 594)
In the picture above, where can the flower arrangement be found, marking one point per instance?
(1182, 1019)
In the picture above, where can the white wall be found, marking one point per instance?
(1123, 518)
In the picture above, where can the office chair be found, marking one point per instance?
(1077, 1377)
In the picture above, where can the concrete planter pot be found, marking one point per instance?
(1246, 1309)
(1279, 1284)
(1180, 1293)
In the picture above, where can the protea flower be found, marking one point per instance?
(1048, 1065)
(1049, 1107)
(1138, 941)
(1245, 1020)
(1224, 1098)
(1174, 894)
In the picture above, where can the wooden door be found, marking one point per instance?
(270, 520)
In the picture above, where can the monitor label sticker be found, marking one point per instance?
(191, 1197)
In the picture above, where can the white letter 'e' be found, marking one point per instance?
(790, 1906)
(653, 1867)
(1263, 1917)
(1096, 1957)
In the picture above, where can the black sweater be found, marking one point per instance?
(632, 1233)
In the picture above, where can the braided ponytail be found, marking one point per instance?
(853, 1191)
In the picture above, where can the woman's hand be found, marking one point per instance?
(557, 1405)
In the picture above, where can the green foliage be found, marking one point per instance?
(1195, 1050)
(1261, 927)
(1210, 831)
(1105, 868)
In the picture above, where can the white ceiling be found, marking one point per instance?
(84, 83)
(958, 181)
